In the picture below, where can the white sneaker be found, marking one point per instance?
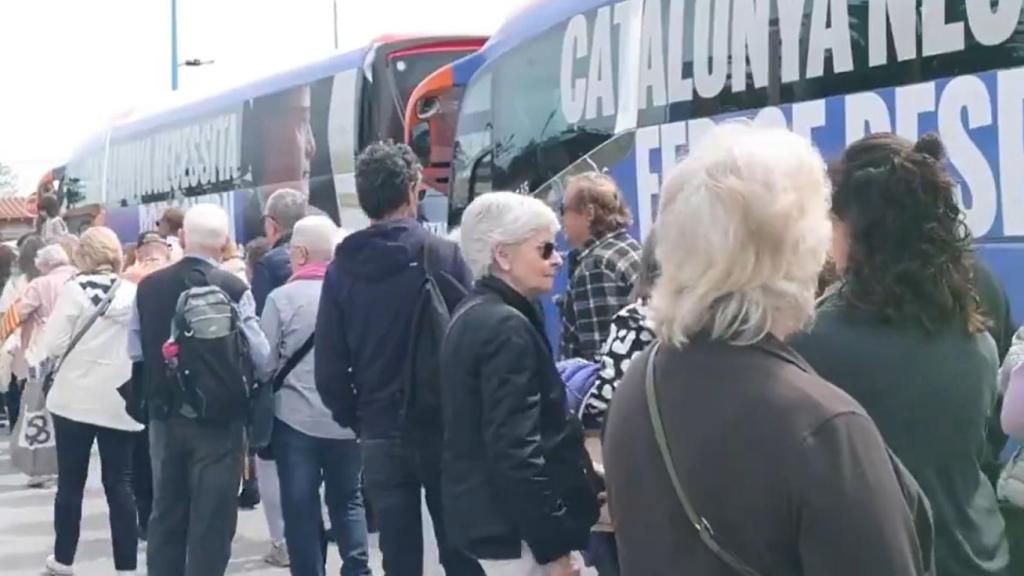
(42, 481)
(278, 555)
(54, 568)
(126, 573)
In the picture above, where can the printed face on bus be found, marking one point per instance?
(288, 143)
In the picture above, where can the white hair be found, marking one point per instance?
(287, 206)
(206, 228)
(501, 219)
(319, 235)
(51, 257)
(743, 230)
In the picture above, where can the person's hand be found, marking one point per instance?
(564, 566)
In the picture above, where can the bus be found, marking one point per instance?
(628, 86)
(298, 129)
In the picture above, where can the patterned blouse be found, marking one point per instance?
(631, 333)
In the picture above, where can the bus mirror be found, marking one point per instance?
(475, 170)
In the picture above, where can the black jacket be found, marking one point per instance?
(157, 299)
(362, 329)
(515, 468)
(271, 272)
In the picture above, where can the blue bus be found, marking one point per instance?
(300, 128)
(628, 86)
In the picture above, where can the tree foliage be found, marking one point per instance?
(8, 180)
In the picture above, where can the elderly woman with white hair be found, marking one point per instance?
(724, 451)
(32, 308)
(518, 485)
(90, 397)
(309, 447)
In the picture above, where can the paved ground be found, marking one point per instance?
(26, 531)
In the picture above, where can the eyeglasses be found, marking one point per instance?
(547, 250)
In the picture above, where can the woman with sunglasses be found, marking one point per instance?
(517, 481)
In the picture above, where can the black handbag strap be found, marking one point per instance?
(707, 535)
(100, 310)
(292, 362)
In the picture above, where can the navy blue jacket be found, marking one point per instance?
(271, 272)
(366, 308)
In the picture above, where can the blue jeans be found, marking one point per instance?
(303, 462)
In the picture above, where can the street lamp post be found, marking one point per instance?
(174, 44)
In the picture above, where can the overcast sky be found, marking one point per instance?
(68, 66)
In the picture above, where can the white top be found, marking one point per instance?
(85, 389)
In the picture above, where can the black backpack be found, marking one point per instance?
(208, 355)
(422, 406)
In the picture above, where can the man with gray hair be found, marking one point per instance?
(284, 209)
(310, 448)
(197, 463)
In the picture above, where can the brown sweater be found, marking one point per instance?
(789, 471)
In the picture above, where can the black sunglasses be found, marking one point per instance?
(547, 250)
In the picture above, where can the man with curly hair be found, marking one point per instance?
(603, 266)
(362, 352)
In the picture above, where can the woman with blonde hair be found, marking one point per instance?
(724, 452)
(91, 398)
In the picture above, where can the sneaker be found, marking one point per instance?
(42, 481)
(126, 573)
(54, 568)
(278, 555)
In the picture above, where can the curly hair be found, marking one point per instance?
(910, 256)
(385, 174)
(600, 192)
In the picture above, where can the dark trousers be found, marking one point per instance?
(74, 447)
(142, 480)
(397, 473)
(196, 471)
(303, 463)
(12, 402)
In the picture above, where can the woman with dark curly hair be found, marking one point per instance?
(903, 333)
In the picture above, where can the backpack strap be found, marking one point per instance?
(707, 535)
(292, 362)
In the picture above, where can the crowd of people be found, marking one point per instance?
(801, 371)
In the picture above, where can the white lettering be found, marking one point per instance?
(600, 82)
(673, 144)
(750, 40)
(967, 94)
(574, 47)
(647, 181)
(629, 19)
(698, 129)
(807, 116)
(234, 148)
(911, 102)
(653, 91)
(711, 61)
(204, 154)
(835, 38)
(993, 28)
(680, 88)
(771, 117)
(902, 17)
(1010, 113)
(791, 13)
(865, 114)
(937, 35)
